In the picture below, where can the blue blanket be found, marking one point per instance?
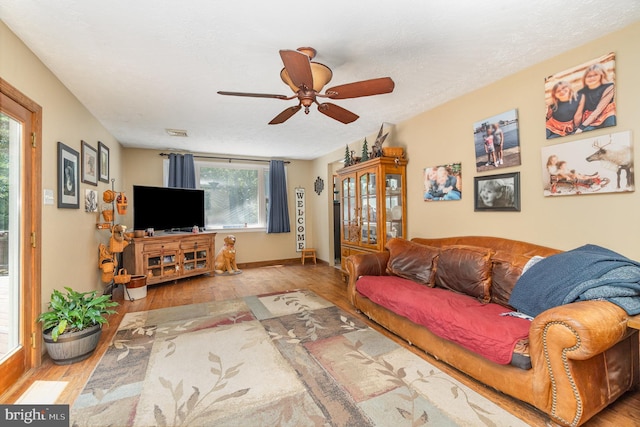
(589, 272)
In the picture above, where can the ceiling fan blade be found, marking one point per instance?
(338, 113)
(254, 95)
(285, 115)
(298, 66)
(363, 88)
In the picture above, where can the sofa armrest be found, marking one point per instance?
(371, 264)
(581, 329)
(566, 346)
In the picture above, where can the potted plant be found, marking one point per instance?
(73, 324)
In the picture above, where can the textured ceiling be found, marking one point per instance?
(147, 65)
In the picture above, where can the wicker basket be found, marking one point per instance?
(109, 196)
(108, 215)
(121, 204)
(122, 277)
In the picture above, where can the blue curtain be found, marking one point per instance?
(182, 172)
(278, 221)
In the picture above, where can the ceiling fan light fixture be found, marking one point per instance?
(299, 68)
(320, 72)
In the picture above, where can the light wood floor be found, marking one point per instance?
(325, 281)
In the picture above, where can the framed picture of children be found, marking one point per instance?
(497, 192)
(581, 98)
(443, 182)
(497, 142)
(602, 164)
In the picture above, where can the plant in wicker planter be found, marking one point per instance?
(73, 324)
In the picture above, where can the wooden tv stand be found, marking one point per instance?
(170, 256)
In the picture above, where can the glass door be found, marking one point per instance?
(393, 205)
(368, 209)
(19, 224)
(350, 223)
(10, 131)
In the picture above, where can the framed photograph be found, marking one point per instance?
(103, 162)
(497, 141)
(68, 177)
(581, 98)
(602, 164)
(443, 182)
(89, 164)
(90, 200)
(497, 192)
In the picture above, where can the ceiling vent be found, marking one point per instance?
(177, 132)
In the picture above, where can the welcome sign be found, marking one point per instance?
(301, 242)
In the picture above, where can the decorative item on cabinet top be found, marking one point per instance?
(377, 150)
(393, 152)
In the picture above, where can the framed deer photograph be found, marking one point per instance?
(602, 164)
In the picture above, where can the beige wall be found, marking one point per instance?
(251, 246)
(69, 236)
(444, 135)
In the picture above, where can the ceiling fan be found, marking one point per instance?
(307, 78)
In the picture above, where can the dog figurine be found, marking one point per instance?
(225, 262)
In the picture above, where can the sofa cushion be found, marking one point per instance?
(481, 328)
(412, 261)
(465, 269)
(507, 269)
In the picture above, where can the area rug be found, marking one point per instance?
(286, 359)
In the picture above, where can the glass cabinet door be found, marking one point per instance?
(350, 230)
(393, 204)
(368, 209)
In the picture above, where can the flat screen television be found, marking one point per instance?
(167, 209)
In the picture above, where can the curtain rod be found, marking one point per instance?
(226, 158)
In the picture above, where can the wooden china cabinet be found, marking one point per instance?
(373, 205)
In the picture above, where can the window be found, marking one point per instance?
(236, 195)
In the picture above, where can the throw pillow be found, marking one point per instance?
(412, 261)
(465, 269)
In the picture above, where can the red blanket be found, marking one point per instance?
(459, 318)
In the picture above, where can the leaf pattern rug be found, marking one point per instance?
(285, 359)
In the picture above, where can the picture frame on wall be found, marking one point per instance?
(442, 182)
(596, 165)
(103, 162)
(68, 177)
(581, 98)
(89, 164)
(496, 141)
(497, 192)
(90, 200)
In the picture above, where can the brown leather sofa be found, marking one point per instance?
(583, 356)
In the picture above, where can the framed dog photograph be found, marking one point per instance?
(497, 192)
(68, 177)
